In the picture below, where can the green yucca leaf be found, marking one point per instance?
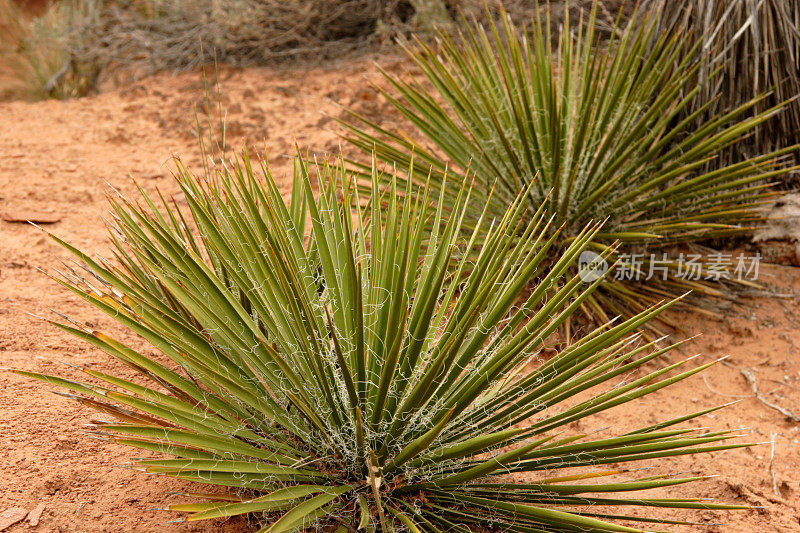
(591, 132)
(276, 500)
(343, 372)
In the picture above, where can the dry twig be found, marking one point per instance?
(775, 487)
(751, 378)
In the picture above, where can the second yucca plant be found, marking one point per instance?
(335, 372)
(594, 131)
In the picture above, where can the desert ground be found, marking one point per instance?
(59, 160)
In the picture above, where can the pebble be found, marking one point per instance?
(35, 515)
(11, 516)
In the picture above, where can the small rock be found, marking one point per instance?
(35, 515)
(778, 240)
(30, 216)
(780, 252)
(151, 175)
(11, 516)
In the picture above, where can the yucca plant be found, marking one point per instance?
(595, 134)
(335, 372)
(753, 49)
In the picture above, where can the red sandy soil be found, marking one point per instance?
(62, 158)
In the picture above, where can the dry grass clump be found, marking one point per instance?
(36, 50)
(61, 53)
(170, 35)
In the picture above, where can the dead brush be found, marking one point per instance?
(38, 50)
(752, 49)
(62, 53)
